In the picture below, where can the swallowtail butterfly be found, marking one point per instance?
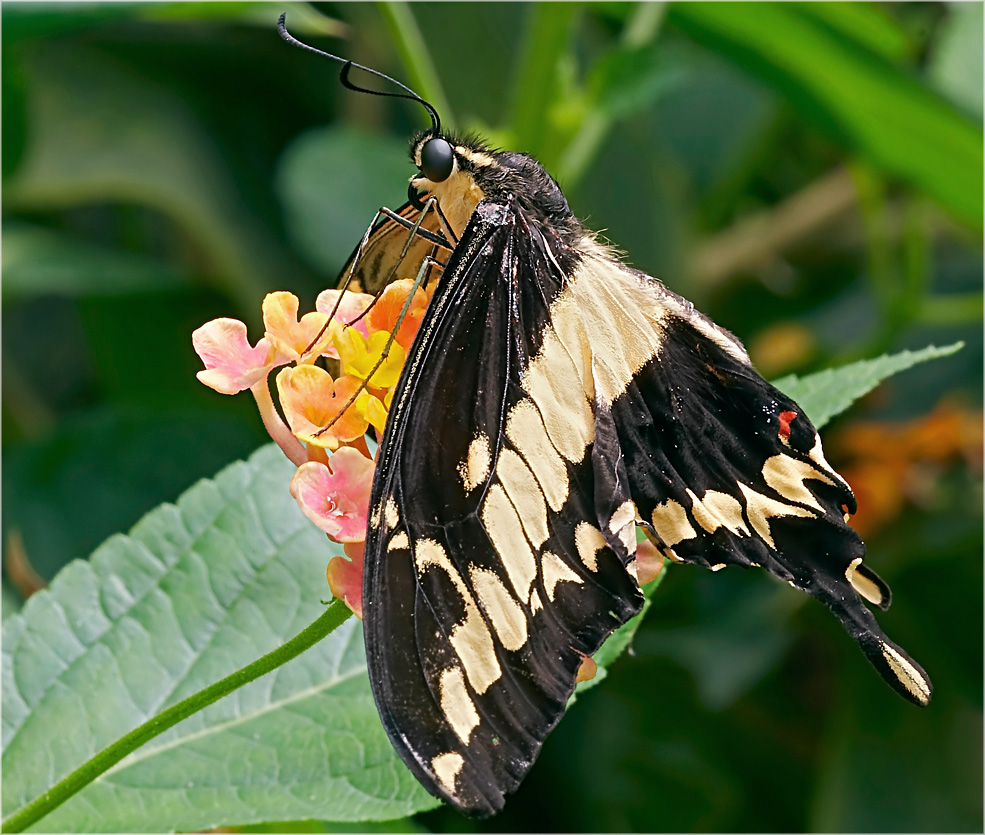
(554, 399)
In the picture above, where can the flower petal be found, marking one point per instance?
(291, 336)
(311, 399)
(360, 356)
(231, 365)
(351, 306)
(345, 577)
(384, 314)
(336, 497)
(649, 562)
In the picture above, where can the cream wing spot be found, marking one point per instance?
(471, 638)
(506, 533)
(588, 542)
(390, 514)
(567, 326)
(474, 469)
(817, 456)
(507, 617)
(671, 523)
(457, 704)
(862, 584)
(706, 328)
(718, 510)
(535, 604)
(554, 571)
(446, 768)
(399, 542)
(623, 525)
(787, 475)
(528, 435)
(610, 302)
(565, 410)
(760, 509)
(525, 494)
(908, 675)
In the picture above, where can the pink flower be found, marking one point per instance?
(336, 497)
(350, 308)
(345, 577)
(231, 365)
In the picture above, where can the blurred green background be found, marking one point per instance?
(809, 175)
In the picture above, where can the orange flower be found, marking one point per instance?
(312, 401)
(384, 314)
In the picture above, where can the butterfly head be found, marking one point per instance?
(462, 171)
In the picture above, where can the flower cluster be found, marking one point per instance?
(327, 416)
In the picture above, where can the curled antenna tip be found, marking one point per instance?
(348, 65)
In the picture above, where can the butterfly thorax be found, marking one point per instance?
(480, 172)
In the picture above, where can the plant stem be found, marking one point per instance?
(332, 617)
(414, 52)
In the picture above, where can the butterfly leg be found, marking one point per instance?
(415, 230)
(426, 267)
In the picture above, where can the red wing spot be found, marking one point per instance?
(786, 418)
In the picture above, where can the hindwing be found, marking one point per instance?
(376, 262)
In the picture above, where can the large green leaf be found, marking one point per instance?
(196, 591)
(843, 85)
(828, 393)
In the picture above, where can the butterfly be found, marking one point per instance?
(555, 399)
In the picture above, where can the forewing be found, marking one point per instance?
(488, 575)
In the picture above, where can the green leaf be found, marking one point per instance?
(628, 80)
(860, 98)
(545, 40)
(828, 393)
(741, 637)
(97, 471)
(955, 65)
(302, 18)
(196, 591)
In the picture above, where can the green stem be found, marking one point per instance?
(642, 28)
(416, 57)
(332, 617)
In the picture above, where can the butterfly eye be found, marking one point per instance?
(437, 160)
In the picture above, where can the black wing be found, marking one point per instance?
(487, 574)
(551, 400)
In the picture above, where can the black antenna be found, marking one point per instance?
(348, 65)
